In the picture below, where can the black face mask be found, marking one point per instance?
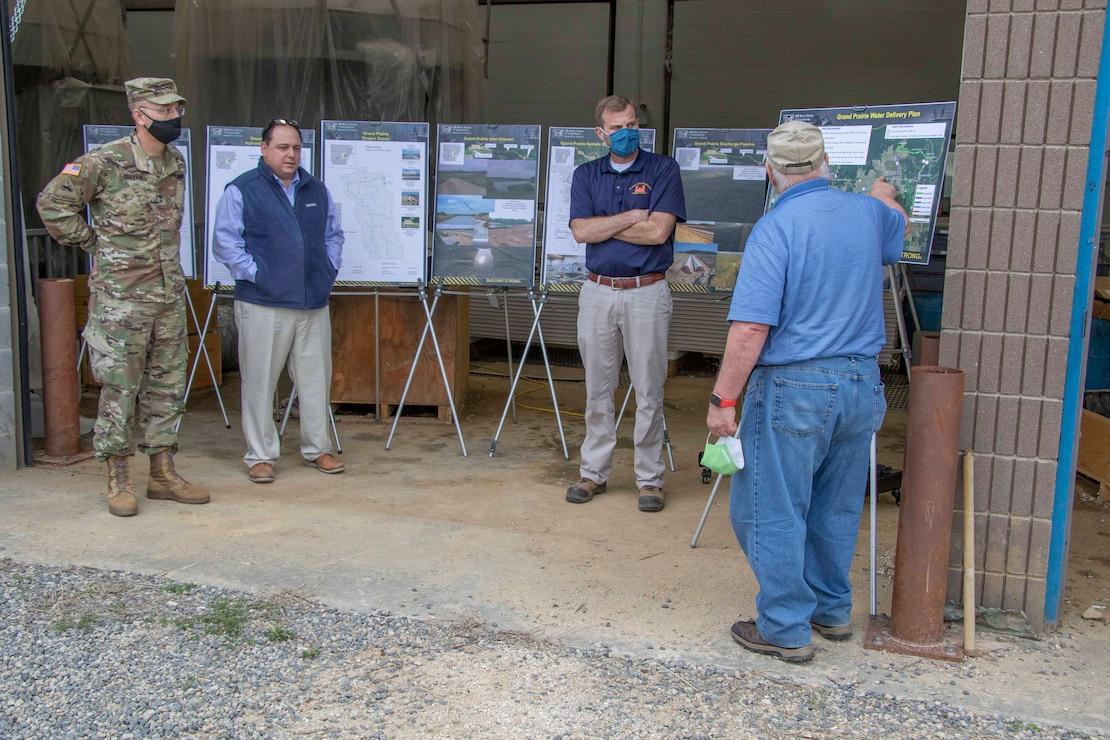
(165, 131)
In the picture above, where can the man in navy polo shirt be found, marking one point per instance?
(278, 233)
(807, 326)
(624, 208)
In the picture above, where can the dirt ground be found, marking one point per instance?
(424, 531)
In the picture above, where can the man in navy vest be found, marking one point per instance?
(277, 231)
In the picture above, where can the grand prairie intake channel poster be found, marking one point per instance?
(906, 144)
(725, 185)
(485, 216)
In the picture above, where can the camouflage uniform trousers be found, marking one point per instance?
(138, 353)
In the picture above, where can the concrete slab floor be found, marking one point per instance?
(422, 531)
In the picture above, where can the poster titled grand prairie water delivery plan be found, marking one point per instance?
(905, 144)
(377, 174)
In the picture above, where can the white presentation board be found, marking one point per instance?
(377, 174)
(96, 135)
(233, 150)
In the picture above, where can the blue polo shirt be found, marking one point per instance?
(652, 182)
(812, 269)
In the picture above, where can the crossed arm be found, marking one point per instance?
(638, 226)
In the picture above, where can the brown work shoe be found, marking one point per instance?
(262, 472)
(326, 463)
(584, 490)
(651, 498)
(165, 483)
(747, 634)
(121, 499)
(836, 633)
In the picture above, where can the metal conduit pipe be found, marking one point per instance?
(61, 414)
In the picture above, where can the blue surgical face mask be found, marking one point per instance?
(624, 142)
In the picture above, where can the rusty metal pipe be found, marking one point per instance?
(61, 414)
(928, 501)
(930, 350)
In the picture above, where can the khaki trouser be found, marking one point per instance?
(627, 324)
(268, 337)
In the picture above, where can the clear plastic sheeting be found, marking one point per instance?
(71, 38)
(50, 120)
(245, 63)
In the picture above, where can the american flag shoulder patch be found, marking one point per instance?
(73, 168)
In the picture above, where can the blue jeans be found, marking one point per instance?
(796, 505)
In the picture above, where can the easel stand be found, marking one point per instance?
(202, 351)
(429, 329)
(899, 280)
(289, 409)
(538, 303)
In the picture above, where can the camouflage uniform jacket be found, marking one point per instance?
(136, 203)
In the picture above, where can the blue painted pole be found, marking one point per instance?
(1077, 333)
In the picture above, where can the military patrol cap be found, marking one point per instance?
(795, 148)
(158, 90)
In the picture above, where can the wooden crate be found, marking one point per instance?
(401, 320)
(1094, 448)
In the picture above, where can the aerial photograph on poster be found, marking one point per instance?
(725, 185)
(906, 144)
(485, 211)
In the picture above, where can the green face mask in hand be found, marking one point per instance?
(725, 456)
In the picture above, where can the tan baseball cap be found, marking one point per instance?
(158, 90)
(795, 148)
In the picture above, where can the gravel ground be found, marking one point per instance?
(89, 653)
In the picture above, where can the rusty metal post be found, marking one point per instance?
(930, 350)
(916, 624)
(61, 413)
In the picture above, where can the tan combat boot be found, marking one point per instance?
(121, 500)
(165, 483)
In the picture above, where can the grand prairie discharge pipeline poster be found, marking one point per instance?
(377, 174)
(485, 215)
(725, 185)
(906, 144)
(564, 260)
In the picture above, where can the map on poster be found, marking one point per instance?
(97, 135)
(564, 260)
(233, 150)
(377, 174)
(725, 185)
(906, 144)
(485, 214)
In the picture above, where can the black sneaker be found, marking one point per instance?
(584, 490)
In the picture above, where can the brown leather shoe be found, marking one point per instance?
(326, 463)
(262, 472)
(584, 490)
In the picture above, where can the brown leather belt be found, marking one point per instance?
(623, 283)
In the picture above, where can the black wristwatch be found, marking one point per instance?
(722, 403)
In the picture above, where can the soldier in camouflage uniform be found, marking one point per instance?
(136, 333)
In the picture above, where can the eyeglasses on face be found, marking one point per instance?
(173, 111)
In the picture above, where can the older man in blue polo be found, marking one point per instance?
(806, 329)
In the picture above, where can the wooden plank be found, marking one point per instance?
(1094, 446)
(401, 323)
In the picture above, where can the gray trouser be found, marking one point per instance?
(268, 337)
(615, 324)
